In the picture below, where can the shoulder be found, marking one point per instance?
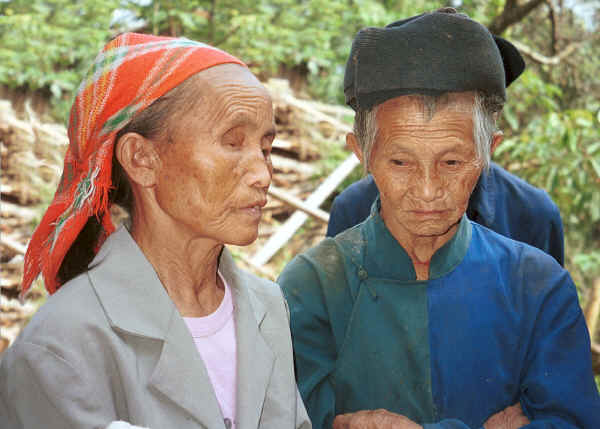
(352, 206)
(520, 278)
(66, 314)
(520, 195)
(264, 289)
(364, 188)
(70, 329)
(523, 264)
(58, 359)
(313, 264)
(323, 271)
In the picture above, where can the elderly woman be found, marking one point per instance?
(154, 324)
(419, 316)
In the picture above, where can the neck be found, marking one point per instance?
(421, 248)
(187, 267)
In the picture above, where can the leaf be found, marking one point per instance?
(596, 165)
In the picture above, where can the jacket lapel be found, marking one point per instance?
(181, 376)
(136, 303)
(255, 359)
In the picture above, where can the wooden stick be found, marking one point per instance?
(261, 270)
(595, 357)
(287, 230)
(13, 244)
(286, 164)
(24, 213)
(282, 144)
(592, 309)
(331, 109)
(321, 215)
(4, 343)
(316, 114)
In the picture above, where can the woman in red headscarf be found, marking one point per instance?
(153, 323)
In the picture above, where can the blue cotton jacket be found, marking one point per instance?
(501, 202)
(498, 322)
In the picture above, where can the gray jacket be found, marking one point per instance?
(110, 345)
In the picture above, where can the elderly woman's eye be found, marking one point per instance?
(232, 141)
(233, 138)
(452, 162)
(398, 162)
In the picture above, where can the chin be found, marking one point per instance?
(243, 239)
(431, 230)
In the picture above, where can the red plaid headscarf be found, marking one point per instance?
(130, 73)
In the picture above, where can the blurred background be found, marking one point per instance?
(299, 48)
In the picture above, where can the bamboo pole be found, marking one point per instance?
(592, 309)
(321, 215)
(294, 222)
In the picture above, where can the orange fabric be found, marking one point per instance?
(129, 74)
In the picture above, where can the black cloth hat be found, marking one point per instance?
(432, 53)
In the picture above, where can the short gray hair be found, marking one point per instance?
(485, 111)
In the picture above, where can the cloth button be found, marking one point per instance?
(362, 274)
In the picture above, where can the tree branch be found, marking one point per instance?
(226, 36)
(211, 20)
(553, 25)
(595, 357)
(512, 14)
(555, 59)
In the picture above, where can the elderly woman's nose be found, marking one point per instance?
(427, 185)
(260, 170)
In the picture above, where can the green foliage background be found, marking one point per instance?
(551, 121)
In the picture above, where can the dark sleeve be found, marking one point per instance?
(547, 231)
(557, 382)
(524, 213)
(557, 388)
(556, 238)
(314, 347)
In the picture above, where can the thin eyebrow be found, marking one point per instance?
(242, 118)
(455, 148)
(400, 150)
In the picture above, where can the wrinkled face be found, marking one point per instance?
(216, 169)
(424, 168)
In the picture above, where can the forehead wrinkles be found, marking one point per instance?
(415, 126)
(242, 102)
(410, 131)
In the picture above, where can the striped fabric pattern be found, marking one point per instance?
(129, 74)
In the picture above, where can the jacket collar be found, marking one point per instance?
(136, 303)
(386, 258)
(129, 289)
(133, 296)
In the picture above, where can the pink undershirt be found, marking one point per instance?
(214, 336)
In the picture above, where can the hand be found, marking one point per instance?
(122, 425)
(510, 418)
(374, 419)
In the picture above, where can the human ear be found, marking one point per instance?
(352, 144)
(497, 138)
(138, 157)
